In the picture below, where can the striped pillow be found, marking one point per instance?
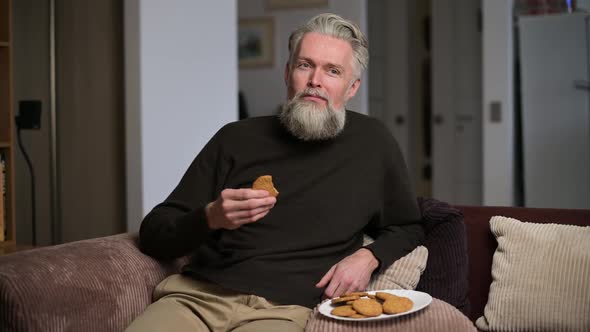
(404, 273)
(540, 278)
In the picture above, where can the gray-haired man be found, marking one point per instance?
(260, 263)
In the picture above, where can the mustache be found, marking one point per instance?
(312, 93)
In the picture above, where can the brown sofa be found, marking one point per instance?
(102, 284)
(482, 244)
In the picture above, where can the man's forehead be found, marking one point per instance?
(320, 46)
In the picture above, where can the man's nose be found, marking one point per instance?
(314, 79)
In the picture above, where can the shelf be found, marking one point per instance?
(7, 244)
(6, 129)
(7, 247)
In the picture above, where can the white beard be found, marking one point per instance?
(310, 121)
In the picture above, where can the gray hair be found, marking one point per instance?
(337, 27)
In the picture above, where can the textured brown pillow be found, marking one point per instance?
(445, 276)
(438, 316)
(403, 273)
(540, 278)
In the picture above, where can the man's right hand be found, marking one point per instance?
(236, 207)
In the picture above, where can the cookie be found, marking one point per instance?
(384, 296)
(344, 299)
(367, 307)
(264, 182)
(356, 315)
(343, 311)
(359, 294)
(397, 305)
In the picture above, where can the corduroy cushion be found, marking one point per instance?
(438, 316)
(540, 278)
(445, 276)
(404, 273)
(92, 285)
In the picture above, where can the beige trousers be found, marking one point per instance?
(183, 304)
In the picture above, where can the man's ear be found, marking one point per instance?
(286, 76)
(353, 88)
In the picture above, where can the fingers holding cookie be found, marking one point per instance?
(236, 207)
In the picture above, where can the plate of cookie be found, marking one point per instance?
(375, 305)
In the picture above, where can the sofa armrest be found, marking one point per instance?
(100, 284)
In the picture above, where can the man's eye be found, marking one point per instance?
(303, 65)
(334, 71)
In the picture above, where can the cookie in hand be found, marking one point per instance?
(264, 182)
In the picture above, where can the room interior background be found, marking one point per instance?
(120, 90)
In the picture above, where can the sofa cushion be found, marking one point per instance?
(404, 273)
(438, 316)
(91, 285)
(540, 278)
(445, 276)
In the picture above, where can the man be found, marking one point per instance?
(259, 263)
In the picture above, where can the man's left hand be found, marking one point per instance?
(352, 274)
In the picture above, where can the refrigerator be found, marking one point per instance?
(555, 96)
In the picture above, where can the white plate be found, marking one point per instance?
(420, 299)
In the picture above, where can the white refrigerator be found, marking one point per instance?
(555, 76)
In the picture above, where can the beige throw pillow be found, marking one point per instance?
(402, 274)
(541, 278)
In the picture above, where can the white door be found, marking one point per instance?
(456, 101)
(556, 110)
(388, 68)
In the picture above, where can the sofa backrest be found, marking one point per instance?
(481, 244)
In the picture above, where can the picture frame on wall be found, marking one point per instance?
(288, 4)
(256, 42)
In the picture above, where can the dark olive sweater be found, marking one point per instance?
(330, 193)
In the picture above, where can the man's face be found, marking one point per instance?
(324, 64)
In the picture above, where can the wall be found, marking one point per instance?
(264, 88)
(31, 81)
(181, 87)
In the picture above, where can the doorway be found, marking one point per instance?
(425, 85)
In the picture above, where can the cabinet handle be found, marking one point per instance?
(438, 119)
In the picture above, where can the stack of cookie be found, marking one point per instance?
(363, 305)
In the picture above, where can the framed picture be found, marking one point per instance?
(255, 42)
(286, 4)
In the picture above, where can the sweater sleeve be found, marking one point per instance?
(179, 224)
(398, 229)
